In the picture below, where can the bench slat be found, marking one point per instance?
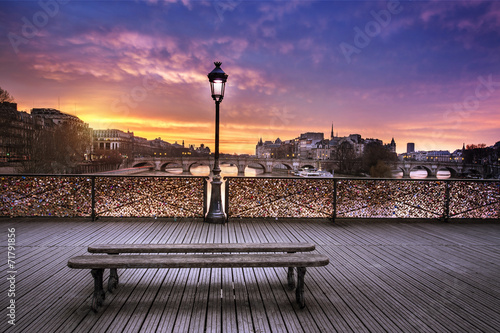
(200, 248)
(198, 261)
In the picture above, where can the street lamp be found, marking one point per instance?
(217, 79)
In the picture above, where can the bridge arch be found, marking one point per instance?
(418, 167)
(143, 164)
(399, 168)
(251, 164)
(188, 166)
(307, 165)
(453, 171)
(287, 165)
(168, 164)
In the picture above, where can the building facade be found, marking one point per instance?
(314, 146)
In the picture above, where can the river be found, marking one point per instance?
(232, 171)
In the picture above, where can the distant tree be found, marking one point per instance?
(380, 170)
(377, 160)
(5, 96)
(58, 149)
(473, 146)
(346, 157)
(478, 154)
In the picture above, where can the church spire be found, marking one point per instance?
(331, 134)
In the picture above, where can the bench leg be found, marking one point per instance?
(113, 279)
(99, 294)
(291, 278)
(299, 292)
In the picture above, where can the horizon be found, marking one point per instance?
(425, 72)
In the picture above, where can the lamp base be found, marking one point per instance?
(215, 213)
(216, 218)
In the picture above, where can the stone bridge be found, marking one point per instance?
(432, 168)
(161, 163)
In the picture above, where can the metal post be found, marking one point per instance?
(215, 213)
(226, 201)
(446, 212)
(334, 200)
(205, 197)
(92, 195)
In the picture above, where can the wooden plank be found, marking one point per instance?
(199, 261)
(228, 306)
(386, 276)
(241, 300)
(214, 310)
(200, 247)
(198, 319)
(256, 303)
(269, 300)
(101, 321)
(137, 316)
(164, 304)
(183, 318)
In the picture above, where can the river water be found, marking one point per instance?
(232, 171)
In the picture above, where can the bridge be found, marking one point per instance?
(268, 164)
(432, 168)
(161, 163)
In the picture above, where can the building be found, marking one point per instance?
(313, 145)
(438, 156)
(307, 142)
(391, 146)
(55, 116)
(112, 139)
(271, 149)
(410, 147)
(16, 133)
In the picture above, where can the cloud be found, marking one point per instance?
(143, 65)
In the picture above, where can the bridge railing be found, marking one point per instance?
(94, 196)
(277, 197)
(362, 198)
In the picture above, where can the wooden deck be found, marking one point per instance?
(382, 277)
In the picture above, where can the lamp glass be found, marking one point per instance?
(217, 89)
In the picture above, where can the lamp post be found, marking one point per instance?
(217, 79)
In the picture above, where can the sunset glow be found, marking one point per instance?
(426, 72)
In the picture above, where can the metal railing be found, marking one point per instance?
(277, 197)
(94, 196)
(362, 198)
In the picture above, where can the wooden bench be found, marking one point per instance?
(199, 248)
(98, 263)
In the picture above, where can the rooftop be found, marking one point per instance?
(383, 276)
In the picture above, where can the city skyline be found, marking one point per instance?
(422, 72)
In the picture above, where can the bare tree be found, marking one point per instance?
(346, 157)
(58, 149)
(5, 96)
(377, 160)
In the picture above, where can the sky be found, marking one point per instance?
(426, 72)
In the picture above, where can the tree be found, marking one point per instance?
(346, 157)
(473, 146)
(477, 153)
(57, 149)
(5, 96)
(376, 160)
(380, 170)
